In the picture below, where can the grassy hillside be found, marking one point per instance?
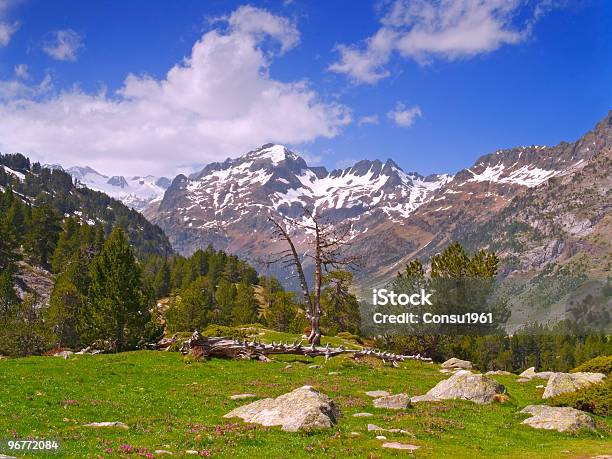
(174, 404)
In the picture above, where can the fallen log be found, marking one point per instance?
(223, 347)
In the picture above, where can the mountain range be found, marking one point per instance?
(539, 207)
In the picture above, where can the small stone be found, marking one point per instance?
(523, 380)
(117, 424)
(373, 427)
(377, 393)
(381, 437)
(498, 373)
(392, 402)
(354, 434)
(455, 363)
(288, 366)
(333, 373)
(315, 367)
(242, 396)
(397, 445)
(162, 452)
(191, 451)
(540, 386)
(63, 354)
(362, 415)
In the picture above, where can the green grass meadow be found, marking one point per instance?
(175, 404)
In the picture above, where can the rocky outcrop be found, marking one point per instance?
(301, 409)
(454, 363)
(561, 383)
(463, 385)
(392, 402)
(561, 419)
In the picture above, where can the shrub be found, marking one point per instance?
(602, 364)
(596, 399)
(222, 330)
(350, 336)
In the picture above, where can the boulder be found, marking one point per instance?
(377, 393)
(562, 419)
(561, 383)
(455, 363)
(463, 385)
(392, 402)
(301, 409)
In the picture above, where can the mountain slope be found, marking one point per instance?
(33, 183)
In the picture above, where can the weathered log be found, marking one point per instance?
(204, 346)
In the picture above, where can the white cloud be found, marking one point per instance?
(21, 71)
(219, 101)
(63, 45)
(445, 29)
(7, 30)
(368, 119)
(404, 116)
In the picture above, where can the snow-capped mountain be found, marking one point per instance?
(134, 192)
(395, 215)
(227, 201)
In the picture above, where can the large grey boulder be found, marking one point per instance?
(463, 385)
(301, 409)
(392, 402)
(454, 363)
(561, 383)
(562, 419)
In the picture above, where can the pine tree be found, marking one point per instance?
(42, 236)
(118, 310)
(192, 309)
(244, 310)
(162, 280)
(64, 312)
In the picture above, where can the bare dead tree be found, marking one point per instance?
(224, 347)
(327, 254)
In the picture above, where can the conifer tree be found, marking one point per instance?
(118, 310)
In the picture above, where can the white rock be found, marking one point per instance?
(117, 424)
(377, 393)
(454, 363)
(362, 415)
(242, 396)
(562, 419)
(561, 383)
(403, 446)
(463, 385)
(301, 409)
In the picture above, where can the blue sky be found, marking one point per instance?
(431, 84)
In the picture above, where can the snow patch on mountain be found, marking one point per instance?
(135, 192)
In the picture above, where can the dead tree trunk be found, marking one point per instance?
(203, 346)
(328, 243)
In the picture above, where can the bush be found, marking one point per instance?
(602, 364)
(596, 399)
(350, 336)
